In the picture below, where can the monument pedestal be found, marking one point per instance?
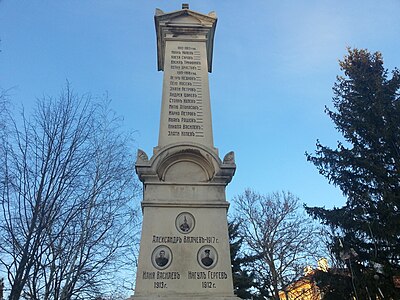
(184, 296)
(184, 248)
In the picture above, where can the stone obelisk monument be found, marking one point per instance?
(184, 248)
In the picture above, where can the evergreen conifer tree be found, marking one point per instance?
(243, 280)
(366, 167)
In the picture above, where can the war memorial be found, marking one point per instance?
(184, 248)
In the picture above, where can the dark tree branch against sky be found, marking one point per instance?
(67, 188)
(279, 239)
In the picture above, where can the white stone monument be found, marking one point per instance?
(184, 248)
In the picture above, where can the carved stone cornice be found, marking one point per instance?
(215, 171)
(183, 25)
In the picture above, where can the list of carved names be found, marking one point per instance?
(185, 95)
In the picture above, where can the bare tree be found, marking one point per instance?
(67, 187)
(3, 110)
(280, 241)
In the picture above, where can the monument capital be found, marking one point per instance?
(177, 163)
(186, 25)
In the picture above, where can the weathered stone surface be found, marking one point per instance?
(184, 46)
(184, 248)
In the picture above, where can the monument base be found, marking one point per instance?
(195, 297)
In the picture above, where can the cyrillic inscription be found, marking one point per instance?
(186, 239)
(185, 93)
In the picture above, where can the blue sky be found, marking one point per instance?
(274, 66)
